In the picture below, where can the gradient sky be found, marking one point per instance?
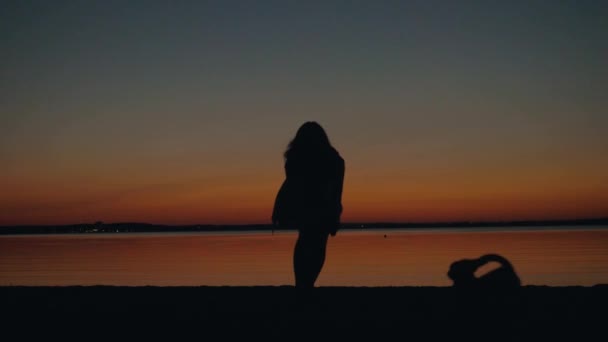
(178, 112)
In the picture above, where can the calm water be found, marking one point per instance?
(574, 256)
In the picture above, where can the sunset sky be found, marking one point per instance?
(178, 112)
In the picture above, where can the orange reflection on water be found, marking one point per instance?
(355, 258)
(558, 257)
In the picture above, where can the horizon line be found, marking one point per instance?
(467, 222)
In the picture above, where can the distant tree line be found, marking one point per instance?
(134, 227)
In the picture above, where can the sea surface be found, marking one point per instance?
(555, 256)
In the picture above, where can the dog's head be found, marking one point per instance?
(462, 271)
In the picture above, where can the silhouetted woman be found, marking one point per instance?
(310, 199)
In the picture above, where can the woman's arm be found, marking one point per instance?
(340, 184)
(336, 195)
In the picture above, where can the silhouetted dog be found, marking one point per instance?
(462, 273)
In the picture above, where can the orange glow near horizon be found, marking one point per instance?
(234, 200)
(240, 188)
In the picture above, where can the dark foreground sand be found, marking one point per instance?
(531, 313)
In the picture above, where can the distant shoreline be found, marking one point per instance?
(134, 227)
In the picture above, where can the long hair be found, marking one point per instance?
(310, 138)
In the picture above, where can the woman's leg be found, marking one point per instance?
(308, 258)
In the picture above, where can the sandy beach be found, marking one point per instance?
(527, 313)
